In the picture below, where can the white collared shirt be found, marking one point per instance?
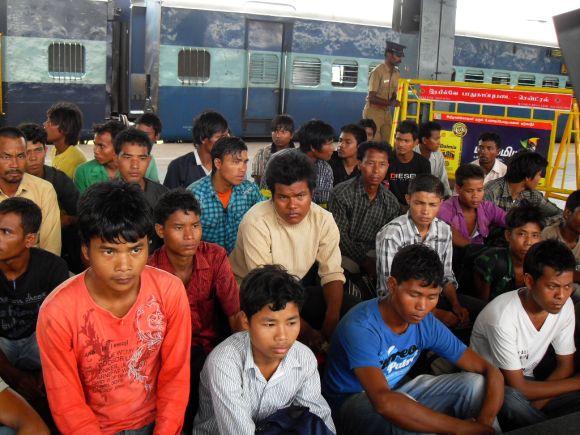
(497, 171)
(198, 162)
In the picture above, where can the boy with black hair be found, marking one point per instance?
(18, 415)
(420, 225)
(317, 142)
(406, 163)
(428, 147)
(282, 128)
(500, 270)
(150, 124)
(515, 329)
(63, 125)
(15, 182)
(104, 166)
(344, 162)
(27, 276)
(488, 148)
(370, 127)
(469, 216)
(205, 272)
(377, 343)
(291, 231)
(361, 206)
(225, 196)
(524, 172)
(133, 150)
(253, 374)
(114, 340)
(207, 129)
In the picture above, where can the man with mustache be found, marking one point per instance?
(14, 181)
(488, 148)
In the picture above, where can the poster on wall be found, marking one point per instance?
(460, 133)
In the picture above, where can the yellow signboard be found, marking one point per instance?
(451, 146)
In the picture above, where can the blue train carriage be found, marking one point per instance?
(252, 63)
(53, 51)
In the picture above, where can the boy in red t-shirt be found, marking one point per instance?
(115, 340)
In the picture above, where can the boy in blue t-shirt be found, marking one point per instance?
(377, 343)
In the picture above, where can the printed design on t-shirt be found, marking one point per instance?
(402, 176)
(524, 356)
(392, 359)
(150, 326)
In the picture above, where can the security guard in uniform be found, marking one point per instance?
(383, 83)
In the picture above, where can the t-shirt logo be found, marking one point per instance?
(392, 359)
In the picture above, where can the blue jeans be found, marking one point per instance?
(22, 354)
(5, 430)
(458, 394)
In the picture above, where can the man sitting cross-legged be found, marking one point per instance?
(377, 343)
(516, 328)
(253, 374)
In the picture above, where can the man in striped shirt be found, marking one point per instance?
(253, 374)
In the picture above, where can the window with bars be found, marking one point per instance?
(306, 71)
(526, 80)
(551, 82)
(66, 60)
(264, 68)
(473, 76)
(500, 78)
(193, 65)
(344, 74)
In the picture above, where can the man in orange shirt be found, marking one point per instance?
(115, 340)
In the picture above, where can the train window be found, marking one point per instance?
(551, 82)
(344, 74)
(193, 65)
(568, 84)
(306, 71)
(66, 60)
(500, 78)
(264, 68)
(526, 80)
(473, 76)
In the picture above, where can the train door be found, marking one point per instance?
(265, 78)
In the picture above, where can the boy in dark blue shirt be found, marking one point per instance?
(377, 343)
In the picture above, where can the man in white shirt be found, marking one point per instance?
(515, 329)
(428, 147)
(253, 374)
(488, 148)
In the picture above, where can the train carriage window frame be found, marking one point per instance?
(306, 71)
(264, 69)
(473, 76)
(193, 66)
(550, 82)
(66, 60)
(500, 78)
(526, 80)
(344, 74)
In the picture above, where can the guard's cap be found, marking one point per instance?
(396, 49)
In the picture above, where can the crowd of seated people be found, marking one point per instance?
(318, 290)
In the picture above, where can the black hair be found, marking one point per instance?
(33, 133)
(207, 124)
(282, 122)
(382, 147)
(427, 128)
(489, 136)
(30, 214)
(368, 123)
(113, 127)
(549, 253)
(525, 164)
(227, 145)
(288, 167)
(69, 119)
(357, 131)
(314, 134)
(12, 133)
(523, 214)
(408, 126)
(175, 200)
(151, 120)
(426, 183)
(418, 262)
(132, 135)
(114, 211)
(270, 285)
(573, 201)
(468, 172)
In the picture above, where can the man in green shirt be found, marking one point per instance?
(104, 166)
(150, 124)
